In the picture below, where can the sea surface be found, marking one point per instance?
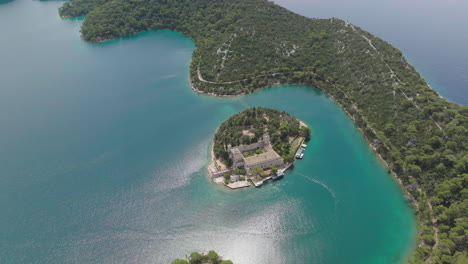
(103, 151)
(432, 34)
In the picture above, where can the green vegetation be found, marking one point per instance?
(244, 45)
(274, 170)
(256, 152)
(306, 132)
(197, 258)
(239, 171)
(279, 125)
(257, 171)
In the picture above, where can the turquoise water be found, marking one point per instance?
(103, 151)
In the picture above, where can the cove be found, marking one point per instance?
(103, 154)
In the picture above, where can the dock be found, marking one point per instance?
(277, 176)
(299, 153)
(218, 180)
(289, 165)
(238, 184)
(257, 184)
(246, 183)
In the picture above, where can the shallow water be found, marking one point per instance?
(103, 154)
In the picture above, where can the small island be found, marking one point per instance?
(246, 45)
(256, 145)
(199, 258)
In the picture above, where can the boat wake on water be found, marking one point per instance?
(329, 190)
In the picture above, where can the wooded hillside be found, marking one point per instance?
(243, 45)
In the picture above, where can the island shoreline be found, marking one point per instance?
(401, 77)
(210, 166)
(379, 157)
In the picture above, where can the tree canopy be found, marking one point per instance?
(244, 45)
(198, 258)
(250, 125)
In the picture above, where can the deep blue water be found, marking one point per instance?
(432, 34)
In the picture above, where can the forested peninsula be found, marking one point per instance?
(244, 45)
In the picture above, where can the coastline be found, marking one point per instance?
(211, 163)
(200, 92)
(378, 148)
(346, 100)
(413, 203)
(394, 176)
(211, 167)
(383, 161)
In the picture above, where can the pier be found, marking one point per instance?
(238, 184)
(283, 170)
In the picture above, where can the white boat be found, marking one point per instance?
(301, 156)
(277, 176)
(304, 146)
(258, 184)
(299, 153)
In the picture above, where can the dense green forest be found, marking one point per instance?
(197, 258)
(279, 125)
(244, 45)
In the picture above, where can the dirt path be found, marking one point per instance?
(392, 75)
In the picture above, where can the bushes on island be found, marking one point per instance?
(244, 45)
(257, 121)
(198, 258)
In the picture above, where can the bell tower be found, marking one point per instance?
(266, 139)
